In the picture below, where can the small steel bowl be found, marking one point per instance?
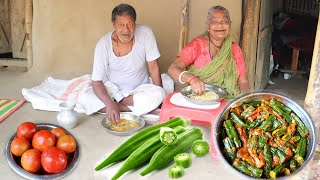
(14, 161)
(124, 115)
(259, 96)
(186, 91)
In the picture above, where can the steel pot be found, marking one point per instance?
(258, 96)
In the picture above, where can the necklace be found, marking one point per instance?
(210, 41)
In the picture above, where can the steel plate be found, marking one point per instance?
(186, 91)
(124, 115)
(14, 161)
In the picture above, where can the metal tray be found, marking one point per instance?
(124, 115)
(186, 91)
(255, 96)
(14, 161)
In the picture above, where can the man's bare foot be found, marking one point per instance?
(128, 101)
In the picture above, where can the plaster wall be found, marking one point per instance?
(65, 32)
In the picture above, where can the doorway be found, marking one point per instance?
(294, 30)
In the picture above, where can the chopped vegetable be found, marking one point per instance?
(176, 171)
(286, 116)
(137, 140)
(231, 132)
(200, 147)
(166, 153)
(143, 154)
(268, 157)
(293, 164)
(301, 127)
(301, 151)
(267, 123)
(280, 105)
(230, 148)
(168, 136)
(238, 120)
(276, 170)
(183, 159)
(247, 168)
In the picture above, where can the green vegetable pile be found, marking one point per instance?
(159, 144)
(264, 139)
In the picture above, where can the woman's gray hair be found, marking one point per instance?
(214, 9)
(123, 9)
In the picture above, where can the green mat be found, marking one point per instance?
(8, 106)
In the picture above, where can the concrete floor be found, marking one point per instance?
(294, 88)
(96, 143)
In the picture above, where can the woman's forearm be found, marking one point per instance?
(244, 84)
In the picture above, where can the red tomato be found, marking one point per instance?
(19, 145)
(53, 160)
(43, 139)
(27, 130)
(31, 160)
(67, 143)
(58, 132)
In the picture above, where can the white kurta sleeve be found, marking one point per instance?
(100, 63)
(151, 48)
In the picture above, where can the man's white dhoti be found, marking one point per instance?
(52, 92)
(146, 98)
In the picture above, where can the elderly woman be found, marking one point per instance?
(212, 58)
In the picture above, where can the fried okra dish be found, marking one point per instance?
(264, 139)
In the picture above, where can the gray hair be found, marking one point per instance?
(214, 9)
(123, 9)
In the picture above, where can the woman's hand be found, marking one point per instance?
(244, 84)
(197, 85)
(113, 112)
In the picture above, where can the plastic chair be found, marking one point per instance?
(197, 116)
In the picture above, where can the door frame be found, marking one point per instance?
(28, 62)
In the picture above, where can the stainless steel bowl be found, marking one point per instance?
(14, 162)
(258, 96)
(186, 91)
(124, 115)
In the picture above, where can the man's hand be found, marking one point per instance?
(112, 109)
(113, 112)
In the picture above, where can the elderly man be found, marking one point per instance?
(123, 61)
